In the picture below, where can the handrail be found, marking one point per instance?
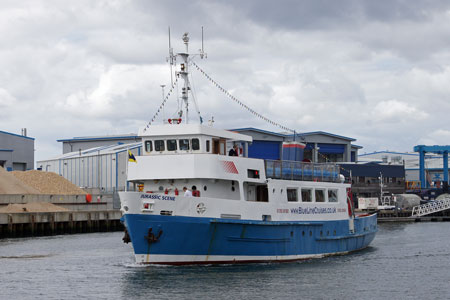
(431, 207)
(297, 170)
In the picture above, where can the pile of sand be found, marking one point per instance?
(9, 184)
(32, 207)
(48, 183)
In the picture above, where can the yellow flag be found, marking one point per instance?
(131, 157)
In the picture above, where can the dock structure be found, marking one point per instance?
(75, 215)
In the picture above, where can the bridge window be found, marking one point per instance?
(148, 146)
(184, 144)
(159, 145)
(306, 195)
(292, 195)
(171, 145)
(195, 144)
(320, 195)
(332, 195)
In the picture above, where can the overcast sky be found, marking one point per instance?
(376, 71)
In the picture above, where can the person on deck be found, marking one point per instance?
(234, 151)
(187, 192)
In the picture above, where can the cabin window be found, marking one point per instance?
(320, 195)
(208, 145)
(148, 146)
(171, 145)
(292, 195)
(184, 144)
(159, 145)
(196, 144)
(332, 196)
(306, 195)
(252, 173)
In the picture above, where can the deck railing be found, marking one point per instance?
(296, 170)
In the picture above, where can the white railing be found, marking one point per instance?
(431, 207)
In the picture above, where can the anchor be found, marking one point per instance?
(152, 238)
(126, 237)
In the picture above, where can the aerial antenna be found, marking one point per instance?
(171, 59)
(202, 51)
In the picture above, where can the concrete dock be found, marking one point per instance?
(80, 216)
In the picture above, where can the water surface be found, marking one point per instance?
(405, 261)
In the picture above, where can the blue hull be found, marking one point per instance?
(243, 240)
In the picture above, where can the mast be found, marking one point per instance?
(184, 72)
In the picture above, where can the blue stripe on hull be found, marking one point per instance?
(222, 237)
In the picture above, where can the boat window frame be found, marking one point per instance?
(289, 191)
(146, 143)
(196, 143)
(310, 194)
(160, 145)
(185, 142)
(173, 142)
(323, 195)
(336, 191)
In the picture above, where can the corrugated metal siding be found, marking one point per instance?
(264, 150)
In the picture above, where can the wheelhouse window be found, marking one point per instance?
(208, 145)
(184, 144)
(320, 195)
(171, 145)
(195, 144)
(306, 195)
(332, 196)
(159, 145)
(292, 195)
(148, 146)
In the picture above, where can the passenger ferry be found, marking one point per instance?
(196, 204)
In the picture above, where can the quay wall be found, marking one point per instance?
(101, 214)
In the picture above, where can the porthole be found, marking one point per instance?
(292, 234)
(161, 188)
(205, 188)
(273, 191)
(232, 188)
(303, 233)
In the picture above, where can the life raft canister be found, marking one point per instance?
(88, 198)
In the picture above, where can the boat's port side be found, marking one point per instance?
(209, 240)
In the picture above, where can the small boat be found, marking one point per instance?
(193, 203)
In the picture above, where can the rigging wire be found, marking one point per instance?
(241, 103)
(193, 92)
(163, 103)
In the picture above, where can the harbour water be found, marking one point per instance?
(405, 261)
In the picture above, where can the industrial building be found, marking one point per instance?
(100, 162)
(85, 143)
(371, 179)
(411, 161)
(320, 147)
(16, 151)
(102, 167)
